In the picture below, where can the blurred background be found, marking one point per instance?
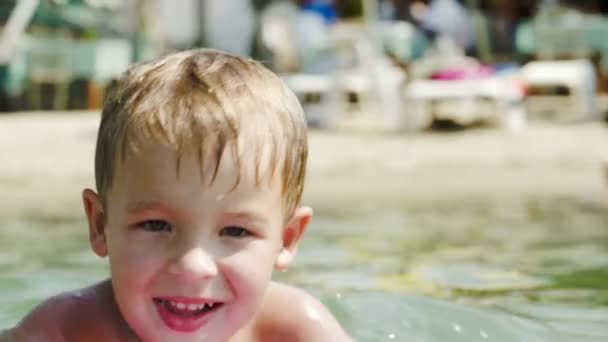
(458, 152)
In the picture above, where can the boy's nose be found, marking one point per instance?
(193, 263)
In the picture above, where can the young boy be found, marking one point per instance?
(199, 168)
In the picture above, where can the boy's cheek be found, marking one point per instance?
(135, 253)
(254, 264)
(135, 271)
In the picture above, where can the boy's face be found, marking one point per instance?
(190, 261)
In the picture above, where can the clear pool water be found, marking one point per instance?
(534, 269)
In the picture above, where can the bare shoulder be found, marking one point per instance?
(44, 323)
(67, 317)
(6, 335)
(289, 313)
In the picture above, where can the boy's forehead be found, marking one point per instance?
(236, 167)
(150, 180)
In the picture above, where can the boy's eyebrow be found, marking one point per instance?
(248, 216)
(144, 205)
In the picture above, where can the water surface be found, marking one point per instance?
(470, 270)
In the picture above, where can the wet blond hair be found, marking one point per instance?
(206, 101)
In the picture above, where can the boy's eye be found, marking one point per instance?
(236, 232)
(155, 226)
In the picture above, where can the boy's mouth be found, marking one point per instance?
(185, 314)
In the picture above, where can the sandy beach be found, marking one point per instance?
(46, 159)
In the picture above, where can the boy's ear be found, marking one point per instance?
(291, 237)
(97, 220)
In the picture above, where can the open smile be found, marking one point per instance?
(185, 314)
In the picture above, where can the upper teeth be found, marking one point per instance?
(191, 307)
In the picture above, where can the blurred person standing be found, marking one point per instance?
(325, 8)
(229, 25)
(312, 35)
(449, 18)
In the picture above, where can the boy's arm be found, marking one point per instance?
(295, 315)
